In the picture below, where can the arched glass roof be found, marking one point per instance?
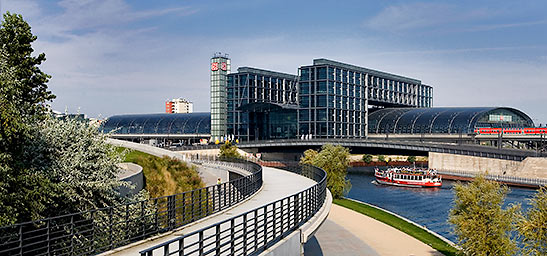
(190, 123)
(444, 120)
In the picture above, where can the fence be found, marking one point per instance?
(104, 229)
(256, 230)
(499, 178)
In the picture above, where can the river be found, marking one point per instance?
(426, 206)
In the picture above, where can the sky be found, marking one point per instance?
(109, 57)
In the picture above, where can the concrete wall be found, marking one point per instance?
(131, 173)
(531, 167)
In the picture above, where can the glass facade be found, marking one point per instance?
(179, 124)
(220, 68)
(257, 102)
(444, 120)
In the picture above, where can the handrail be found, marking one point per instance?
(499, 178)
(100, 230)
(256, 230)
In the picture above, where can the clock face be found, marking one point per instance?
(223, 66)
(214, 66)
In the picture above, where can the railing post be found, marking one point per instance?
(232, 232)
(181, 246)
(217, 242)
(171, 215)
(200, 243)
(265, 224)
(245, 234)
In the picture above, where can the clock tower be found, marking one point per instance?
(220, 68)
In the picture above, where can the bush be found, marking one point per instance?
(367, 158)
(411, 159)
(381, 158)
(165, 176)
(228, 151)
(335, 161)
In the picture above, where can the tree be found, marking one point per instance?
(309, 156)
(381, 158)
(411, 159)
(367, 158)
(335, 161)
(75, 157)
(533, 225)
(228, 151)
(482, 226)
(23, 93)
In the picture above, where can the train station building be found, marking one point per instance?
(327, 99)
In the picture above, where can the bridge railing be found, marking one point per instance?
(256, 230)
(499, 178)
(100, 230)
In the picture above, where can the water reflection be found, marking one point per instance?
(426, 206)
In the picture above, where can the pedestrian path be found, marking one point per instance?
(277, 185)
(347, 232)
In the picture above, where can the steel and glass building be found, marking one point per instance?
(328, 99)
(334, 97)
(451, 120)
(220, 68)
(261, 104)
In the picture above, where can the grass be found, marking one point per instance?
(163, 175)
(399, 224)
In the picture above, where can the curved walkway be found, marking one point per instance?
(277, 185)
(347, 232)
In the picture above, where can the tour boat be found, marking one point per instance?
(407, 177)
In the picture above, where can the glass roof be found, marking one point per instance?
(190, 123)
(444, 120)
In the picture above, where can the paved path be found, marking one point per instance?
(347, 232)
(277, 184)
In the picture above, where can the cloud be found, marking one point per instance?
(413, 16)
(507, 25)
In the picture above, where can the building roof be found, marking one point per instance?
(444, 119)
(187, 123)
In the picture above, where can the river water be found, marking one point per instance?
(426, 206)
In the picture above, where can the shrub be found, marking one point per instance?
(367, 158)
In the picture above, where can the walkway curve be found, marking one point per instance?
(277, 185)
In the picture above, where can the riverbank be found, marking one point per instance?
(425, 236)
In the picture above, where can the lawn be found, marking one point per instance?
(399, 224)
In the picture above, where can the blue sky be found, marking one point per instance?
(111, 57)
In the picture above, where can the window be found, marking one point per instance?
(322, 73)
(305, 88)
(322, 87)
(304, 74)
(305, 101)
(321, 115)
(322, 100)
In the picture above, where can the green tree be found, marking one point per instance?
(381, 158)
(482, 226)
(24, 192)
(335, 161)
(309, 156)
(533, 225)
(75, 157)
(411, 159)
(228, 151)
(367, 158)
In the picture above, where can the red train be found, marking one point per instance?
(511, 131)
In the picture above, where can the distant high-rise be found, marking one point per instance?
(179, 105)
(220, 68)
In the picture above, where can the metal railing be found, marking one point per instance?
(499, 178)
(256, 230)
(100, 230)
